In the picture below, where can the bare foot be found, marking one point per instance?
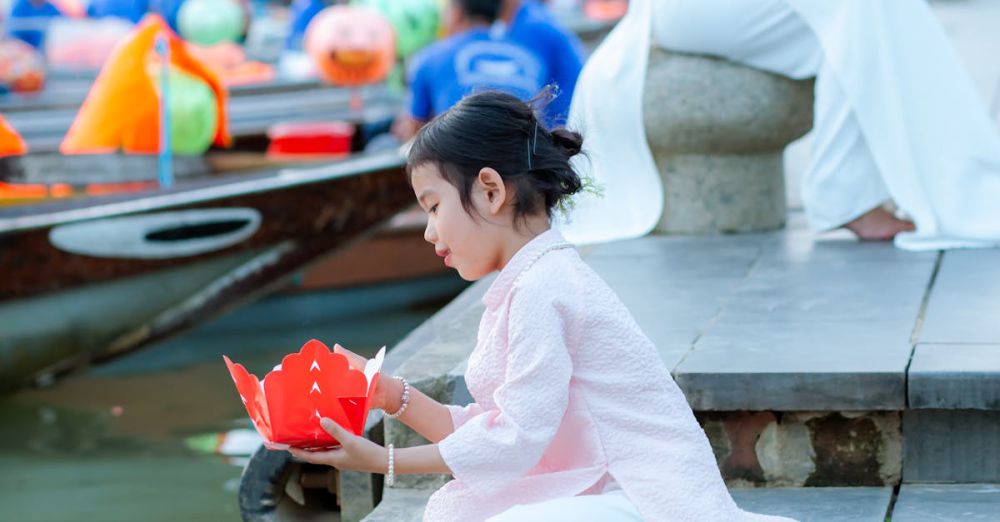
(878, 224)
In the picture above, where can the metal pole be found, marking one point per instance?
(165, 158)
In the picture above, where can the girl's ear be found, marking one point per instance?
(493, 189)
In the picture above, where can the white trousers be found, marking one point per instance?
(896, 115)
(611, 507)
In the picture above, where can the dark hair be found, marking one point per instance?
(497, 130)
(481, 10)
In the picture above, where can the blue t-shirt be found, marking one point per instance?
(303, 11)
(28, 22)
(534, 27)
(471, 61)
(131, 10)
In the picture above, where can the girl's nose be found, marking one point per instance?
(430, 235)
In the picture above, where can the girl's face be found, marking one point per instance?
(473, 246)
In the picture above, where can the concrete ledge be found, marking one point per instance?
(818, 504)
(939, 502)
(709, 390)
(766, 322)
(802, 504)
(955, 376)
(963, 305)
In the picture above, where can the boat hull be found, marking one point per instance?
(113, 286)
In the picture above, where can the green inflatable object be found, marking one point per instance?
(208, 22)
(193, 113)
(416, 22)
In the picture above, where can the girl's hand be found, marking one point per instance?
(388, 391)
(355, 453)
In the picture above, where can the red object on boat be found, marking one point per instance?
(287, 405)
(605, 10)
(310, 139)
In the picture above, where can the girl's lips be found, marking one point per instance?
(446, 254)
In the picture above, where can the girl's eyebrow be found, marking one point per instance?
(423, 195)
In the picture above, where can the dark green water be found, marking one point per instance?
(113, 443)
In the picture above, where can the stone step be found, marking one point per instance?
(809, 361)
(947, 502)
(802, 504)
(783, 322)
(775, 321)
(817, 504)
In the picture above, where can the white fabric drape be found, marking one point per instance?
(896, 114)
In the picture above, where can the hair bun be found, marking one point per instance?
(569, 141)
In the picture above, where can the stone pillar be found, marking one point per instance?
(717, 130)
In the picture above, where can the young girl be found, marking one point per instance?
(575, 415)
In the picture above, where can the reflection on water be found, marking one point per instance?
(125, 441)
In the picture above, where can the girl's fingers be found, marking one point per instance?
(357, 362)
(328, 458)
(308, 456)
(336, 431)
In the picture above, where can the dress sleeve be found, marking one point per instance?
(499, 445)
(461, 414)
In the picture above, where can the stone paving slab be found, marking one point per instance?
(964, 303)
(817, 504)
(814, 326)
(675, 286)
(955, 376)
(947, 502)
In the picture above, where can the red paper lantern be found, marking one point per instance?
(287, 405)
(351, 45)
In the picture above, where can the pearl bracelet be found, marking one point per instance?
(390, 472)
(406, 399)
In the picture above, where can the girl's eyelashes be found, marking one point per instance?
(433, 208)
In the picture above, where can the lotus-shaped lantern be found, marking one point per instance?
(287, 405)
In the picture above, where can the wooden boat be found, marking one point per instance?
(87, 279)
(43, 121)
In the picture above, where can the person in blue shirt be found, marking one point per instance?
(477, 56)
(29, 20)
(302, 12)
(131, 10)
(531, 24)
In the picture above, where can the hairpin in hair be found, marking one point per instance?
(532, 145)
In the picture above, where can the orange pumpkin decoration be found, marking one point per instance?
(351, 45)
